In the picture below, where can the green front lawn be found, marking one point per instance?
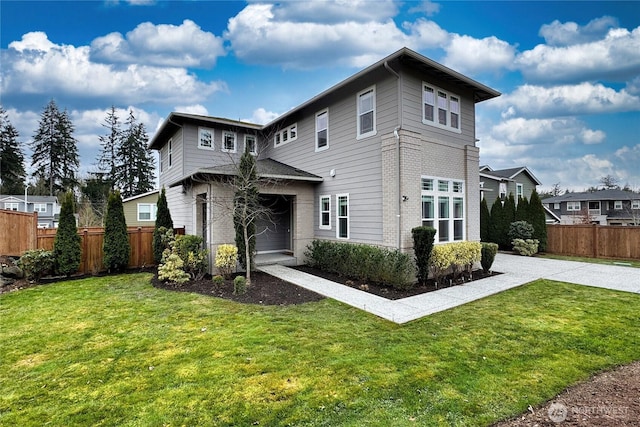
(619, 262)
(115, 351)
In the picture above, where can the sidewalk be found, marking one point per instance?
(517, 270)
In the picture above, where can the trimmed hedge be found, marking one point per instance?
(454, 257)
(489, 251)
(364, 262)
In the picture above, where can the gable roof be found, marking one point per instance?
(586, 196)
(265, 168)
(507, 174)
(139, 196)
(30, 199)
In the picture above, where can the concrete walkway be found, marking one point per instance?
(517, 270)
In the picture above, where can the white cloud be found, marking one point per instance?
(336, 11)
(261, 116)
(192, 109)
(585, 98)
(470, 55)
(184, 45)
(427, 7)
(568, 33)
(615, 57)
(590, 137)
(37, 66)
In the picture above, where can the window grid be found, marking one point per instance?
(573, 206)
(322, 130)
(366, 113)
(440, 108)
(205, 138)
(250, 144)
(443, 208)
(146, 211)
(229, 142)
(11, 206)
(617, 205)
(288, 134)
(635, 204)
(40, 207)
(325, 212)
(342, 215)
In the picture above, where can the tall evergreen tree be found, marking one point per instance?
(66, 245)
(163, 219)
(499, 227)
(485, 221)
(55, 152)
(522, 210)
(538, 220)
(12, 174)
(134, 173)
(116, 245)
(107, 160)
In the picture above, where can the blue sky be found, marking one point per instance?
(569, 71)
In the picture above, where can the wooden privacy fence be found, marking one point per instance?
(594, 241)
(17, 232)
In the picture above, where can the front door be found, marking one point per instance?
(274, 231)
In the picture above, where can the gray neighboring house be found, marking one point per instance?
(604, 207)
(494, 184)
(47, 207)
(388, 149)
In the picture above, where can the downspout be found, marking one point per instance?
(397, 135)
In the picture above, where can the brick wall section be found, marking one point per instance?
(411, 146)
(389, 191)
(472, 155)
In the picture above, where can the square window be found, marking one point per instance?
(229, 142)
(443, 186)
(146, 211)
(617, 205)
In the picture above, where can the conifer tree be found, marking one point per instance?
(108, 144)
(522, 210)
(12, 173)
(497, 230)
(538, 220)
(163, 219)
(134, 171)
(55, 153)
(66, 245)
(116, 245)
(485, 221)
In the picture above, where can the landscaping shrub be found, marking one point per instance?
(163, 220)
(538, 220)
(36, 263)
(66, 245)
(526, 247)
(226, 259)
(488, 255)
(196, 260)
(362, 261)
(485, 221)
(455, 258)
(423, 238)
(116, 239)
(520, 230)
(170, 270)
(239, 285)
(218, 280)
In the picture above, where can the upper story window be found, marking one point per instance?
(11, 206)
(170, 151)
(443, 208)
(40, 207)
(205, 138)
(366, 113)
(147, 211)
(573, 206)
(322, 130)
(325, 212)
(440, 108)
(250, 144)
(519, 192)
(635, 204)
(617, 205)
(229, 142)
(287, 134)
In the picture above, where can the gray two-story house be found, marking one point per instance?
(603, 207)
(388, 149)
(47, 207)
(499, 183)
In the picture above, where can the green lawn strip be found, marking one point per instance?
(116, 351)
(618, 262)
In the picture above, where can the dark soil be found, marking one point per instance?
(609, 399)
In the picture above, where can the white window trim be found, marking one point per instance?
(280, 135)
(321, 226)
(255, 144)
(556, 206)
(204, 147)
(374, 131)
(635, 204)
(435, 121)
(40, 207)
(223, 147)
(435, 193)
(617, 205)
(338, 196)
(574, 206)
(318, 114)
(12, 206)
(43, 225)
(170, 153)
(152, 212)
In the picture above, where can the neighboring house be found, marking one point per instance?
(47, 207)
(496, 184)
(141, 210)
(388, 149)
(604, 207)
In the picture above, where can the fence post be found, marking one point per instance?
(139, 247)
(595, 240)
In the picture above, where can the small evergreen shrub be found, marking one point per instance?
(195, 259)
(239, 285)
(218, 280)
(163, 220)
(423, 238)
(36, 263)
(226, 259)
(171, 269)
(520, 230)
(489, 251)
(526, 247)
(187, 243)
(455, 258)
(365, 262)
